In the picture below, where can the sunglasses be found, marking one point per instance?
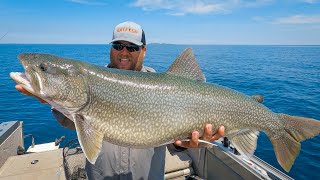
(130, 47)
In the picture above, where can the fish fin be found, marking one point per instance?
(259, 98)
(89, 138)
(186, 66)
(245, 141)
(287, 145)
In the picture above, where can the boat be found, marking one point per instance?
(50, 161)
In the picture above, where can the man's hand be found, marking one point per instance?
(23, 91)
(207, 136)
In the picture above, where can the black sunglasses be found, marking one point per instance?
(130, 47)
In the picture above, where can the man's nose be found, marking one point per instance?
(125, 50)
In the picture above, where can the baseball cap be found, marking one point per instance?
(129, 31)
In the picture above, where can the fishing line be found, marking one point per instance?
(4, 35)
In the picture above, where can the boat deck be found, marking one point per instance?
(46, 162)
(43, 165)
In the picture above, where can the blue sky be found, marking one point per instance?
(286, 22)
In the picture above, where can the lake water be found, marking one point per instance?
(287, 76)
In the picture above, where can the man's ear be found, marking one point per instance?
(144, 52)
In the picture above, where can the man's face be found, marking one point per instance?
(124, 59)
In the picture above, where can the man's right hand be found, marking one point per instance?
(208, 135)
(23, 91)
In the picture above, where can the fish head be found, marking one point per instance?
(58, 81)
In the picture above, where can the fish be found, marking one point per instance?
(143, 110)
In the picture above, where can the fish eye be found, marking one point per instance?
(43, 67)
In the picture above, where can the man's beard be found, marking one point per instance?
(134, 66)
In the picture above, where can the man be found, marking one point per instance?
(115, 162)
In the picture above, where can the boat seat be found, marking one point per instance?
(178, 165)
(43, 147)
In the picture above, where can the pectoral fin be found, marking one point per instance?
(90, 139)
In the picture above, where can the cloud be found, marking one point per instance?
(201, 8)
(88, 2)
(259, 19)
(176, 13)
(310, 1)
(298, 19)
(254, 3)
(183, 7)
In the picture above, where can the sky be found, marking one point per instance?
(245, 22)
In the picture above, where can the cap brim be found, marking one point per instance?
(127, 39)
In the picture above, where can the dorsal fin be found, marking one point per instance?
(186, 66)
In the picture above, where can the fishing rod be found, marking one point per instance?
(4, 35)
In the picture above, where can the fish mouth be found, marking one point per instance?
(30, 79)
(23, 80)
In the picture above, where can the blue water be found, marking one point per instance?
(287, 76)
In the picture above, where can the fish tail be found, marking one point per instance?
(287, 144)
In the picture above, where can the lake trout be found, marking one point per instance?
(143, 110)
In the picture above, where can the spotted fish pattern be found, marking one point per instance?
(143, 110)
